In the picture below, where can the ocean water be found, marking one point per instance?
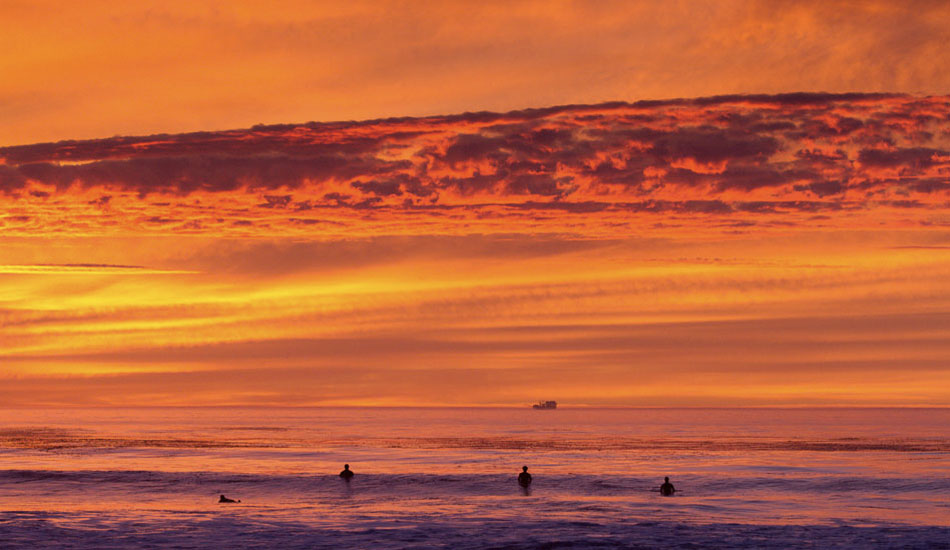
(445, 478)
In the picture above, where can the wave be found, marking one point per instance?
(849, 444)
(54, 439)
(423, 531)
(482, 484)
(50, 439)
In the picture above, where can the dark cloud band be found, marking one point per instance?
(711, 156)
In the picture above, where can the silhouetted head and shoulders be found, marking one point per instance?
(347, 473)
(667, 488)
(524, 478)
(226, 500)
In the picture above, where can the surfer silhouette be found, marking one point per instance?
(226, 500)
(524, 478)
(347, 473)
(667, 488)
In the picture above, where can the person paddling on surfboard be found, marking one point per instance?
(347, 473)
(524, 478)
(667, 488)
(226, 500)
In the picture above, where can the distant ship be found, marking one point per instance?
(545, 405)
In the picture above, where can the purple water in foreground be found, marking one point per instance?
(444, 478)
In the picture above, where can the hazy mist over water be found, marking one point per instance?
(433, 477)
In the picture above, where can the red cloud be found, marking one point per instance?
(708, 156)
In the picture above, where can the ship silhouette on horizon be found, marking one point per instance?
(545, 405)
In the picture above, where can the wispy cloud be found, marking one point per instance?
(87, 269)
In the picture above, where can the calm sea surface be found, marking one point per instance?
(445, 478)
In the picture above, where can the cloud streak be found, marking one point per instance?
(86, 269)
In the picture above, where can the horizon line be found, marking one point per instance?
(506, 407)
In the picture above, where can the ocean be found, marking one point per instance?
(445, 478)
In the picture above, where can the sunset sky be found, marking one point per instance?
(607, 204)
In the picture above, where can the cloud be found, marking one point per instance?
(87, 269)
(912, 160)
(724, 152)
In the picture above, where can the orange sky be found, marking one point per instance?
(97, 68)
(743, 249)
